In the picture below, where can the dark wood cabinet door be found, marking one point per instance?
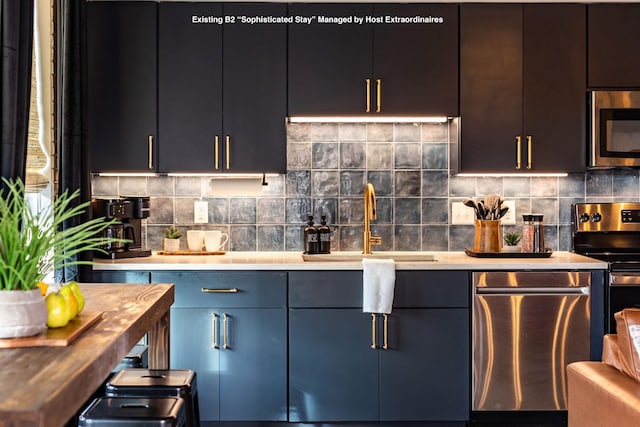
(254, 90)
(522, 89)
(329, 64)
(333, 371)
(555, 87)
(613, 39)
(417, 63)
(490, 86)
(121, 88)
(424, 374)
(190, 86)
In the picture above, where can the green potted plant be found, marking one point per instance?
(32, 245)
(172, 239)
(511, 241)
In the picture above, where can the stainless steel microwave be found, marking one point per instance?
(615, 129)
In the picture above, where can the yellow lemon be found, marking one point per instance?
(58, 311)
(78, 294)
(72, 303)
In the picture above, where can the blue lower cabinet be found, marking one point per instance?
(418, 370)
(332, 367)
(231, 328)
(424, 373)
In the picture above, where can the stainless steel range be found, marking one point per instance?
(611, 232)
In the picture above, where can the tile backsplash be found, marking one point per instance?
(328, 165)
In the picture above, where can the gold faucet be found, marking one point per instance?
(369, 214)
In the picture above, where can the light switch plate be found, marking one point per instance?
(201, 212)
(461, 214)
(510, 217)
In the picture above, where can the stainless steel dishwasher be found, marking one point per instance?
(527, 326)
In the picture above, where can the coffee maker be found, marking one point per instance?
(128, 213)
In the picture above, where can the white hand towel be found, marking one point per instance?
(378, 285)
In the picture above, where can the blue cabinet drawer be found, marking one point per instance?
(226, 289)
(414, 289)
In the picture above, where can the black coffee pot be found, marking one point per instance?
(120, 231)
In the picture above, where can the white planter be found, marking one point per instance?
(171, 245)
(511, 249)
(22, 313)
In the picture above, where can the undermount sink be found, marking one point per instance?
(357, 256)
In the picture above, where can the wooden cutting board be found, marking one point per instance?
(56, 337)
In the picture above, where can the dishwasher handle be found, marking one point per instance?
(583, 290)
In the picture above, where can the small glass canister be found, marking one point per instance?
(526, 244)
(538, 233)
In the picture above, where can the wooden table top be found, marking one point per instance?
(46, 386)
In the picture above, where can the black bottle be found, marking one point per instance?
(324, 236)
(310, 238)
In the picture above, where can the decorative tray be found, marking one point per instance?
(546, 254)
(191, 253)
(56, 337)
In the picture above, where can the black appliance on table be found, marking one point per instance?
(128, 213)
(611, 232)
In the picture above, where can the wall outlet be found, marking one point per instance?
(461, 214)
(464, 215)
(201, 212)
(510, 217)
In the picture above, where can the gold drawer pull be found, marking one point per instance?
(219, 291)
(385, 343)
(518, 153)
(379, 95)
(529, 151)
(373, 331)
(150, 151)
(214, 337)
(225, 318)
(368, 95)
(217, 152)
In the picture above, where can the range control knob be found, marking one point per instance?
(596, 217)
(584, 217)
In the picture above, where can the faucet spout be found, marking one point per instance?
(369, 214)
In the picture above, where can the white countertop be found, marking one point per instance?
(294, 261)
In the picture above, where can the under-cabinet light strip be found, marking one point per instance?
(514, 175)
(366, 119)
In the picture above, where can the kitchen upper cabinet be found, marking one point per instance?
(222, 88)
(613, 39)
(367, 66)
(418, 370)
(231, 328)
(121, 88)
(522, 88)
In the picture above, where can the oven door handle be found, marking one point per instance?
(624, 279)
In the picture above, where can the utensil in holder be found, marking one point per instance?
(487, 236)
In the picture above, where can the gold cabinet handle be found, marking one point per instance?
(373, 331)
(368, 95)
(150, 151)
(225, 318)
(214, 335)
(217, 152)
(385, 332)
(227, 148)
(378, 95)
(219, 290)
(529, 151)
(518, 153)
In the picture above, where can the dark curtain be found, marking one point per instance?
(73, 165)
(16, 19)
